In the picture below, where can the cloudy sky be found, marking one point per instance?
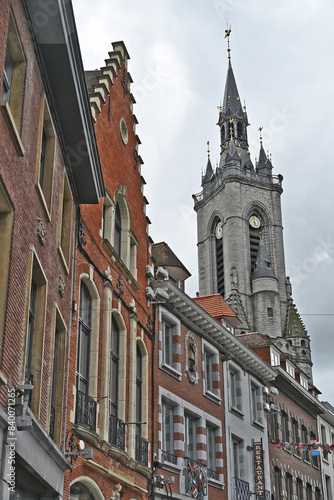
(282, 56)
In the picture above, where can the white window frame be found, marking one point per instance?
(290, 369)
(175, 368)
(275, 359)
(208, 350)
(303, 382)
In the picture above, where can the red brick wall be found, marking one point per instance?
(18, 176)
(117, 162)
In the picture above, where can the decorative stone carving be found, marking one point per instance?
(234, 278)
(288, 286)
(191, 347)
(116, 494)
(82, 234)
(41, 232)
(61, 287)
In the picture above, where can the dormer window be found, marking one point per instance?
(274, 357)
(290, 369)
(304, 382)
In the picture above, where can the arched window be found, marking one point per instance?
(118, 230)
(84, 339)
(219, 255)
(85, 405)
(114, 369)
(240, 130)
(222, 134)
(116, 426)
(254, 238)
(139, 385)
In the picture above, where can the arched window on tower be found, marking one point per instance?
(254, 238)
(230, 129)
(240, 130)
(118, 230)
(219, 254)
(222, 134)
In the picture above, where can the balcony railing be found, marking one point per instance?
(52, 422)
(117, 432)
(86, 411)
(212, 474)
(241, 490)
(168, 457)
(141, 451)
(196, 478)
(29, 379)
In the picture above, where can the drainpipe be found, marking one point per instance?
(74, 255)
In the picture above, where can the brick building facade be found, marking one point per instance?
(292, 411)
(41, 186)
(109, 404)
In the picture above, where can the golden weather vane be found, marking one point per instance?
(260, 130)
(227, 35)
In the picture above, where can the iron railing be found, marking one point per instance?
(141, 450)
(212, 474)
(29, 379)
(86, 411)
(166, 456)
(196, 477)
(52, 422)
(116, 432)
(241, 489)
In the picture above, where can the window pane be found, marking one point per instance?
(208, 366)
(232, 388)
(167, 428)
(211, 448)
(190, 435)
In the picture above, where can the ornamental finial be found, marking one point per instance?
(208, 143)
(260, 130)
(227, 35)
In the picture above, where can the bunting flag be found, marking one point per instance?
(326, 448)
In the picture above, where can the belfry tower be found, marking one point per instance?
(240, 234)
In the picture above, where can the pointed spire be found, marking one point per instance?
(263, 165)
(231, 101)
(262, 266)
(209, 170)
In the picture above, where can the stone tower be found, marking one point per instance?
(240, 234)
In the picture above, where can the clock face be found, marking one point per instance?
(254, 221)
(219, 231)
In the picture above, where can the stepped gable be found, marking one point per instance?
(294, 326)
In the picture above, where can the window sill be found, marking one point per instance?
(237, 412)
(258, 425)
(88, 435)
(171, 371)
(12, 128)
(43, 201)
(116, 258)
(297, 456)
(63, 260)
(213, 397)
(215, 483)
